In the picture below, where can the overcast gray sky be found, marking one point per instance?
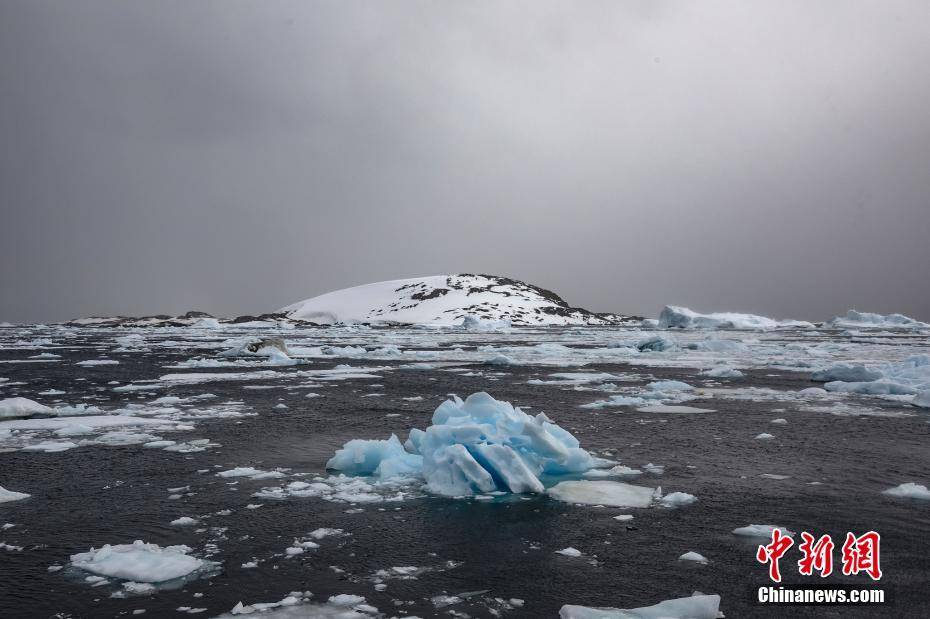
(234, 157)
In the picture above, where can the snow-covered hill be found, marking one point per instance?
(445, 300)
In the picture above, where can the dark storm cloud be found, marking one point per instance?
(237, 156)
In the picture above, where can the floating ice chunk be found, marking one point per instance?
(159, 444)
(713, 344)
(11, 408)
(297, 606)
(475, 446)
(909, 490)
(384, 459)
(251, 472)
(655, 469)
(723, 371)
(870, 320)
(125, 438)
(761, 530)
(623, 517)
(619, 470)
(569, 552)
(184, 521)
(684, 318)
(846, 372)
(92, 421)
(657, 343)
(326, 532)
(813, 391)
(500, 359)
(671, 408)
(93, 362)
(139, 562)
(693, 556)
(206, 323)
(474, 323)
(345, 599)
(677, 499)
(616, 400)
(138, 588)
(50, 446)
(669, 385)
(75, 429)
(609, 493)
(765, 436)
(694, 607)
(9, 495)
(922, 399)
(876, 387)
(779, 421)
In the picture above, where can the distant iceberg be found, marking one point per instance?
(675, 317)
(868, 320)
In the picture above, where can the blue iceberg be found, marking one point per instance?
(474, 446)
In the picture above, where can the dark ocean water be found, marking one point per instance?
(95, 495)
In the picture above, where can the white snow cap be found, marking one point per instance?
(445, 300)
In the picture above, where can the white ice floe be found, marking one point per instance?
(90, 421)
(250, 472)
(909, 490)
(297, 605)
(139, 562)
(908, 377)
(575, 378)
(95, 362)
(693, 556)
(697, 606)
(672, 408)
(11, 408)
(723, 371)
(846, 372)
(684, 318)
(343, 489)
(609, 493)
(50, 446)
(761, 530)
(9, 495)
(765, 436)
(569, 552)
(677, 499)
(184, 521)
(502, 360)
(475, 446)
